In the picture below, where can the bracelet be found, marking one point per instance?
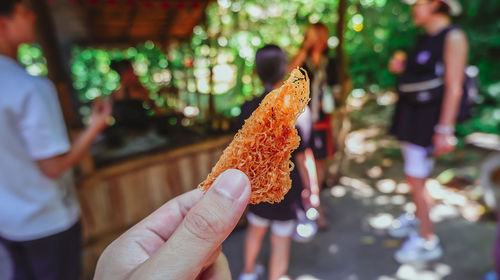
(444, 129)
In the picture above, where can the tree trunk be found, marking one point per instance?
(340, 119)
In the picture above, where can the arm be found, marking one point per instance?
(298, 60)
(307, 170)
(455, 58)
(55, 166)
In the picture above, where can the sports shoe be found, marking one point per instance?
(417, 249)
(491, 276)
(248, 276)
(255, 275)
(403, 225)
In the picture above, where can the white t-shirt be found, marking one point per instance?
(32, 205)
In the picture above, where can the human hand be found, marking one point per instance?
(310, 199)
(182, 239)
(397, 64)
(101, 112)
(443, 143)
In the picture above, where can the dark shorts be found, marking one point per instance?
(56, 257)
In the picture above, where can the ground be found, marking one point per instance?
(356, 245)
(351, 249)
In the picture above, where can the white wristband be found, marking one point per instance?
(444, 129)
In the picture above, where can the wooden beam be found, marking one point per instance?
(167, 27)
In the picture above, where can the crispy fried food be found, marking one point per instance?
(262, 147)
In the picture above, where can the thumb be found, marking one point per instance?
(202, 231)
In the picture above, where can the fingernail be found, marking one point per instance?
(231, 183)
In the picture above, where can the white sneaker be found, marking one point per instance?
(257, 272)
(419, 250)
(403, 225)
(248, 276)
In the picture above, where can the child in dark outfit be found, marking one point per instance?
(281, 217)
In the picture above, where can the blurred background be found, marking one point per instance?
(195, 62)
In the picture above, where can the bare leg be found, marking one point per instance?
(280, 255)
(320, 171)
(423, 202)
(253, 243)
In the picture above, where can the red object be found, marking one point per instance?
(147, 4)
(93, 2)
(195, 5)
(181, 5)
(51, 1)
(188, 62)
(112, 2)
(326, 125)
(131, 3)
(165, 5)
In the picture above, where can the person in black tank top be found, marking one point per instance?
(430, 90)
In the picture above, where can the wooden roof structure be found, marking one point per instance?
(126, 22)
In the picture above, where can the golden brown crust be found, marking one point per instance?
(262, 147)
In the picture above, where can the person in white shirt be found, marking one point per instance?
(39, 211)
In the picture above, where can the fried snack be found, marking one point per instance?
(262, 147)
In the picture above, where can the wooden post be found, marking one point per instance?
(341, 57)
(340, 119)
(47, 38)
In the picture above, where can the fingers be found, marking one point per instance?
(202, 231)
(107, 107)
(213, 257)
(152, 232)
(141, 241)
(443, 144)
(219, 270)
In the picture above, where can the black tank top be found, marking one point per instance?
(426, 59)
(414, 122)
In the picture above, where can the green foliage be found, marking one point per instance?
(93, 77)
(386, 27)
(32, 57)
(481, 23)
(219, 58)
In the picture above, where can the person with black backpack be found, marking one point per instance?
(431, 99)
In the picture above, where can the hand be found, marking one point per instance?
(182, 239)
(310, 199)
(397, 64)
(101, 113)
(443, 143)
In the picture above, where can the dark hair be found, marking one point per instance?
(443, 8)
(320, 26)
(121, 66)
(270, 64)
(7, 6)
